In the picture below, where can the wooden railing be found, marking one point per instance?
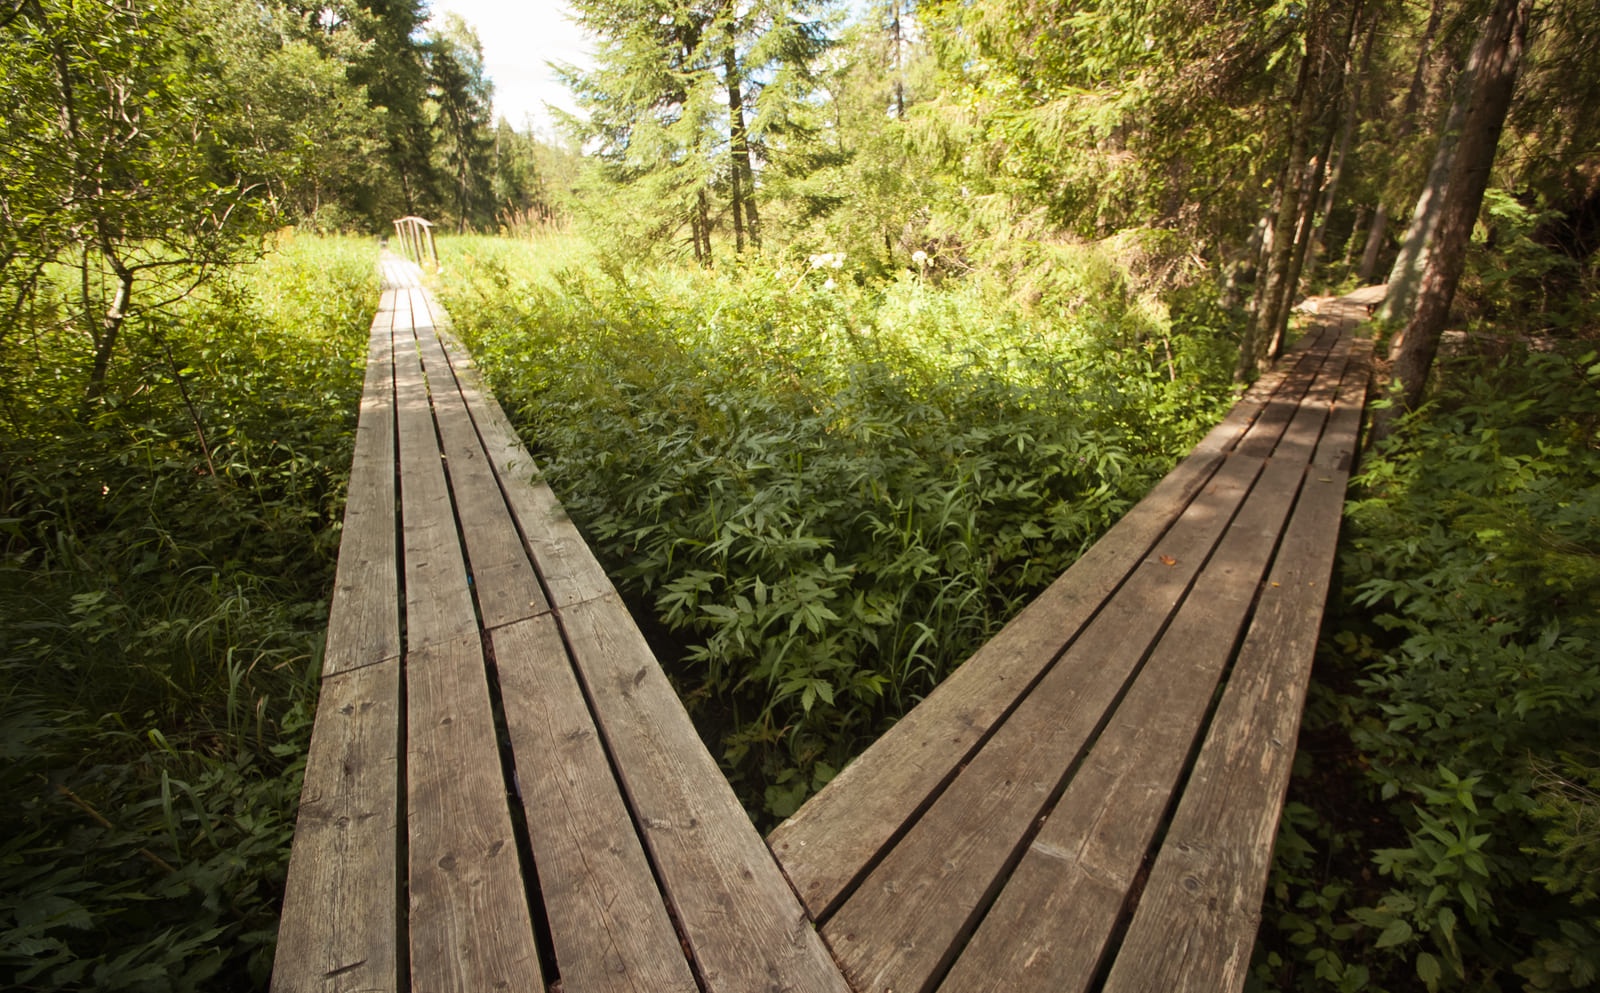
(416, 240)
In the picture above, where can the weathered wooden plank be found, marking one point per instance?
(1196, 922)
(827, 844)
(400, 273)
(1283, 406)
(469, 922)
(609, 926)
(503, 577)
(1050, 924)
(570, 571)
(339, 932)
(742, 923)
(364, 619)
(899, 929)
(438, 600)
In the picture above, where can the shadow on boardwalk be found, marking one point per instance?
(504, 793)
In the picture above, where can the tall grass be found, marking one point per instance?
(168, 553)
(824, 491)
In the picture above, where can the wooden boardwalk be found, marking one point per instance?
(504, 793)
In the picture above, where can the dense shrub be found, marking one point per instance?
(1459, 695)
(826, 492)
(162, 600)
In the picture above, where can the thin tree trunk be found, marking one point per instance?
(694, 236)
(1263, 241)
(110, 328)
(1363, 216)
(730, 66)
(899, 66)
(1355, 77)
(1298, 252)
(1270, 282)
(705, 228)
(744, 180)
(1321, 105)
(1369, 256)
(1496, 60)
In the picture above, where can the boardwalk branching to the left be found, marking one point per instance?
(503, 789)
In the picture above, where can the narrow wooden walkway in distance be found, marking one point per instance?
(1090, 801)
(503, 789)
(503, 792)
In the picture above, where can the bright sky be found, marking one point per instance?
(519, 37)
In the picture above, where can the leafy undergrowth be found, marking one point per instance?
(1443, 830)
(824, 491)
(162, 602)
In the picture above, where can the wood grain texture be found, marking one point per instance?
(608, 923)
(364, 619)
(1285, 403)
(439, 604)
(744, 927)
(1226, 435)
(339, 929)
(898, 930)
(1047, 930)
(503, 577)
(828, 842)
(470, 927)
(1196, 922)
(826, 845)
(570, 571)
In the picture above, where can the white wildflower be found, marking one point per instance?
(829, 284)
(920, 258)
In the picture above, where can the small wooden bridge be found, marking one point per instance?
(503, 791)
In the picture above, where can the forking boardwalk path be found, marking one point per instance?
(503, 791)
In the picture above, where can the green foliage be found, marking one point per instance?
(1471, 619)
(167, 563)
(1513, 276)
(684, 102)
(828, 493)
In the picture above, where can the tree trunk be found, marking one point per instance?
(1369, 256)
(1362, 219)
(744, 180)
(703, 247)
(694, 235)
(1298, 252)
(110, 328)
(898, 37)
(1354, 77)
(735, 177)
(1322, 107)
(1262, 242)
(1417, 247)
(1281, 233)
(1493, 70)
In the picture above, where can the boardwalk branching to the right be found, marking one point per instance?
(999, 837)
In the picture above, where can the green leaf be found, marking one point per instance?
(1428, 970)
(1397, 932)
